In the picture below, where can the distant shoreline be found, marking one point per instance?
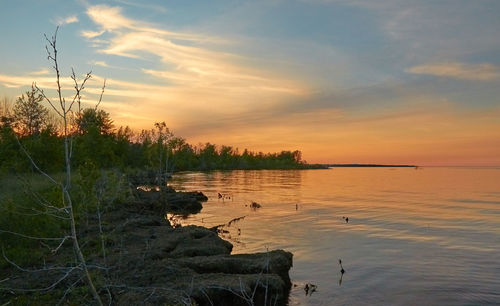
(369, 165)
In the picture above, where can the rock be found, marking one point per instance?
(151, 263)
(273, 262)
(171, 202)
(255, 205)
(183, 203)
(192, 241)
(239, 289)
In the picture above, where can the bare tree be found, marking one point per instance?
(63, 109)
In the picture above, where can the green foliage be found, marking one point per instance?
(95, 141)
(30, 117)
(22, 211)
(97, 121)
(9, 150)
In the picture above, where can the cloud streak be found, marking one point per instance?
(457, 70)
(66, 20)
(190, 68)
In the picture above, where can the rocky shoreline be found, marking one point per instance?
(137, 257)
(153, 262)
(186, 265)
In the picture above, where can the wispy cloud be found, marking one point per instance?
(189, 67)
(156, 8)
(67, 20)
(457, 70)
(45, 80)
(112, 19)
(43, 71)
(91, 34)
(434, 29)
(100, 63)
(109, 18)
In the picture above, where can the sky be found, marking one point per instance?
(359, 81)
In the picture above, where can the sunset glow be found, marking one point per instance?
(394, 82)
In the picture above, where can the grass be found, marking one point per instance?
(22, 212)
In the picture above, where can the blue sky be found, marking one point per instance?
(344, 81)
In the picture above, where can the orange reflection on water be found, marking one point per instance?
(437, 224)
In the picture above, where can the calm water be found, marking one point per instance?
(416, 237)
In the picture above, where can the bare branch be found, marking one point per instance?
(35, 270)
(60, 245)
(207, 296)
(68, 290)
(41, 201)
(35, 165)
(38, 213)
(47, 99)
(63, 110)
(123, 286)
(52, 55)
(102, 92)
(78, 89)
(46, 288)
(30, 237)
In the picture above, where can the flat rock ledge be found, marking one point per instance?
(147, 261)
(158, 264)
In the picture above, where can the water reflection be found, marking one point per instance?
(408, 236)
(342, 271)
(309, 289)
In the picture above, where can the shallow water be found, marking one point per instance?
(418, 237)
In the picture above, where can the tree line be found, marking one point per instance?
(94, 139)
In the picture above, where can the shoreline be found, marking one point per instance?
(369, 166)
(147, 260)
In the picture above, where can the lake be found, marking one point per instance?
(427, 236)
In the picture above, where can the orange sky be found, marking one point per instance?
(343, 81)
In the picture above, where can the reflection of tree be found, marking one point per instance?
(228, 231)
(342, 271)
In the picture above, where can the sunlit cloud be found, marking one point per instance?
(43, 71)
(67, 20)
(99, 63)
(46, 82)
(110, 19)
(91, 34)
(189, 69)
(359, 88)
(456, 70)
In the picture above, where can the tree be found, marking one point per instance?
(98, 120)
(64, 209)
(30, 117)
(5, 110)
(163, 135)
